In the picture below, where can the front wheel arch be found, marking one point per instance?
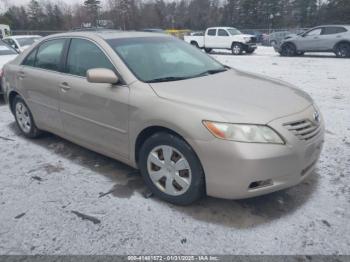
(197, 188)
(147, 133)
(284, 45)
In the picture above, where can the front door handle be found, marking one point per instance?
(65, 87)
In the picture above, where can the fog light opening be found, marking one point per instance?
(261, 184)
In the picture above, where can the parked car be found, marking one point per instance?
(224, 38)
(191, 125)
(332, 39)
(258, 35)
(21, 42)
(276, 38)
(6, 54)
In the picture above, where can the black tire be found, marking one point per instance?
(237, 49)
(342, 50)
(208, 50)
(195, 44)
(196, 188)
(250, 51)
(32, 131)
(288, 49)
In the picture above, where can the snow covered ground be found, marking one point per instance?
(43, 181)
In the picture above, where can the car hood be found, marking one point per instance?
(238, 96)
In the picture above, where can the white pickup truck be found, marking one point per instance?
(224, 38)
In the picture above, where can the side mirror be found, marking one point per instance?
(102, 76)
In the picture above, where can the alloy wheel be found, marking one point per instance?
(237, 49)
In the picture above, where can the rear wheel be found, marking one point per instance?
(237, 49)
(208, 50)
(342, 50)
(171, 169)
(25, 119)
(288, 49)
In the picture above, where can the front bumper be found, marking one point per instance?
(250, 46)
(242, 170)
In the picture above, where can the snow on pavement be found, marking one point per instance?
(42, 182)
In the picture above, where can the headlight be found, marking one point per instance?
(246, 39)
(244, 133)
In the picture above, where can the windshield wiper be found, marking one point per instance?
(212, 72)
(178, 78)
(167, 79)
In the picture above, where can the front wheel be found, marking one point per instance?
(342, 50)
(24, 119)
(237, 49)
(171, 169)
(288, 49)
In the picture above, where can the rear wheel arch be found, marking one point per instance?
(194, 43)
(11, 98)
(341, 42)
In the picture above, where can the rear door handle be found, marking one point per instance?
(65, 87)
(21, 75)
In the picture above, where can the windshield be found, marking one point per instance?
(234, 31)
(27, 40)
(162, 59)
(5, 50)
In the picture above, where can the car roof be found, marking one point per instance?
(222, 27)
(112, 34)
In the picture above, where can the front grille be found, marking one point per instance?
(305, 129)
(252, 40)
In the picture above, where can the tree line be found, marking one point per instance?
(177, 14)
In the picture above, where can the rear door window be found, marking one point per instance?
(84, 55)
(50, 54)
(223, 32)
